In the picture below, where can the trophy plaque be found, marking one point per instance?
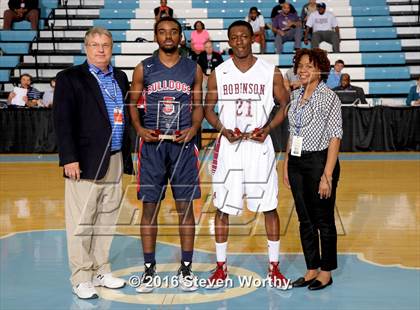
(167, 119)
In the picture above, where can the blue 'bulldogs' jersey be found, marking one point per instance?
(170, 89)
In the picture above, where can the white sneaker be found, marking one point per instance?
(108, 280)
(85, 290)
(147, 281)
(188, 282)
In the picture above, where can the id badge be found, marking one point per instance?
(208, 71)
(297, 143)
(118, 116)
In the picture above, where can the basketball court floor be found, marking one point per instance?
(377, 218)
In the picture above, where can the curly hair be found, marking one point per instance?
(318, 57)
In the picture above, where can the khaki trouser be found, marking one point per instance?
(91, 212)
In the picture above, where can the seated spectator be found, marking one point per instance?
(198, 37)
(163, 10)
(277, 9)
(33, 95)
(307, 10)
(256, 20)
(291, 80)
(287, 27)
(335, 74)
(348, 93)
(20, 10)
(413, 98)
(209, 59)
(47, 98)
(321, 23)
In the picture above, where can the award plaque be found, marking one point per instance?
(167, 119)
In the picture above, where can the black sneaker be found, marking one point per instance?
(187, 279)
(148, 282)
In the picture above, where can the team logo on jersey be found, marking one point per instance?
(168, 105)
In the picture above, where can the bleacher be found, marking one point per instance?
(380, 38)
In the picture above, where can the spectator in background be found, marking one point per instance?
(256, 20)
(287, 27)
(209, 59)
(47, 99)
(291, 80)
(345, 86)
(163, 10)
(321, 23)
(198, 37)
(32, 96)
(277, 9)
(20, 10)
(307, 10)
(413, 98)
(335, 74)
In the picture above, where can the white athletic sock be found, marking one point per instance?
(221, 251)
(273, 250)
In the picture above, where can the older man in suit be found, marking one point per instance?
(91, 124)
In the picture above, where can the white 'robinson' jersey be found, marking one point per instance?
(245, 100)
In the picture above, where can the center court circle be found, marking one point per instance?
(180, 297)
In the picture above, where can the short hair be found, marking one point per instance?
(343, 75)
(168, 19)
(241, 23)
(254, 8)
(199, 22)
(318, 57)
(25, 74)
(339, 61)
(98, 30)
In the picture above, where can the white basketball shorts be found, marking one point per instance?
(244, 170)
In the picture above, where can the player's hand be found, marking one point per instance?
(286, 173)
(186, 135)
(282, 33)
(231, 136)
(72, 171)
(12, 95)
(325, 186)
(259, 135)
(148, 135)
(25, 99)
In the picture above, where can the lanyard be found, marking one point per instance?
(113, 98)
(298, 115)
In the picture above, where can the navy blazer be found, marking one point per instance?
(82, 124)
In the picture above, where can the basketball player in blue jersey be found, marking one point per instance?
(171, 86)
(244, 88)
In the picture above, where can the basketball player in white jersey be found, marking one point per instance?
(244, 164)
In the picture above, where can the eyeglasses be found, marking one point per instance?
(99, 46)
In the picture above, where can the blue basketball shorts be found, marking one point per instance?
(167, 161)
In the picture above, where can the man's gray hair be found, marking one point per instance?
(98, 30)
